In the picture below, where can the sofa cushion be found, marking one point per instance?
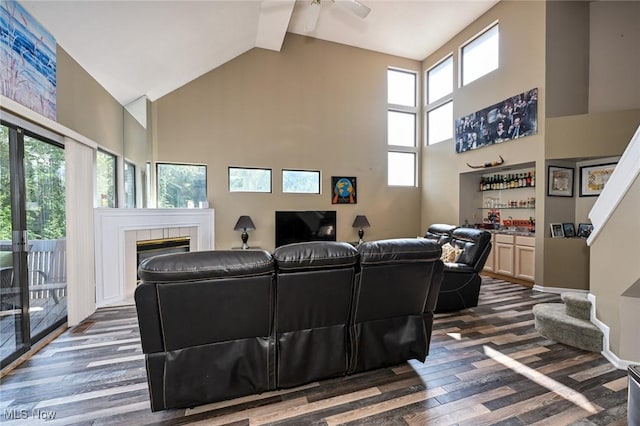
(315, 254)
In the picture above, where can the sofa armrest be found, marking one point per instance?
(458, 268)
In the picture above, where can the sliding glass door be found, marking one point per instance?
(33, 298)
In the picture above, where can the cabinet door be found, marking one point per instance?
(504, 259)
(525, 262)
(489, 264)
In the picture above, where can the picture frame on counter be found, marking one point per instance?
(584, 230)
(569, 230)
(560, 181)
(557, 231)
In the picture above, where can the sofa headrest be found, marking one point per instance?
(399, 250)
(315, 254)
(440, 228)
(206, 265)
(440, 232)
(471, 235)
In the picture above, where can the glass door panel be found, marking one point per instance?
(12, 322)
(46, 231)
(33, 294)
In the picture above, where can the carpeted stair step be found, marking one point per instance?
(552, 322)
(577, 305)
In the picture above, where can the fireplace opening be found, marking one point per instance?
(149, 248)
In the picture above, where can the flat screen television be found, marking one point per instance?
(303, 226)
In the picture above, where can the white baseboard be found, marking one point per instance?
(558, 290)
(621, 364)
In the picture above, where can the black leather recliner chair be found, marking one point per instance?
(206, 322)
(394, 304)
(461, 282)
(313, 302)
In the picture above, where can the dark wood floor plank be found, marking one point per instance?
(487, 365)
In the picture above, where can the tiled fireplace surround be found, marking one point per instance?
(118, 230)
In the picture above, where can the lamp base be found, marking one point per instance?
(245, 238)
(360, 235)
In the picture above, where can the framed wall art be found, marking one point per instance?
(594, 178)
(344, 190)
(28, 64)
(512, 118)
(560, 181)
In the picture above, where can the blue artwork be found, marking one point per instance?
(344, 190)
(27, 60)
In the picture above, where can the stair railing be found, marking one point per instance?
(626, 172)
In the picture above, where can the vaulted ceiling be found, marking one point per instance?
(152, 47)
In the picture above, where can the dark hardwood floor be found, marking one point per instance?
(487, 365)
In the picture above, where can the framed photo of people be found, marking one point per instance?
(512, 118)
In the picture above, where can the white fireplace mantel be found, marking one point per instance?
(111, 252)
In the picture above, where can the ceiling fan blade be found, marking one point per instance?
(355, 7)
(313, 12)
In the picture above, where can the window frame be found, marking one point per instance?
(317, 172)
(415, 111)
(440, 102)
(490, 27)
(432, 109)
(169, 163)
(249, 191)
(103, 151)
(438, 64)
(124, 187)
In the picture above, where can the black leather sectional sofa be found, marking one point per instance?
(222, 324)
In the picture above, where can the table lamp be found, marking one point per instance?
(244, 223)
(360, 222)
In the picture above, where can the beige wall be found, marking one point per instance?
(615, 265)
(86, 107)
(567, 57)
(314, 105)
(599, 134)
(522, 67)
(441, 164)
(615, 56)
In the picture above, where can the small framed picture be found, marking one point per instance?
(569, 230)
(594, 178)
(584, 230)
(560, 181)
(344, 190)
(556, 230)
